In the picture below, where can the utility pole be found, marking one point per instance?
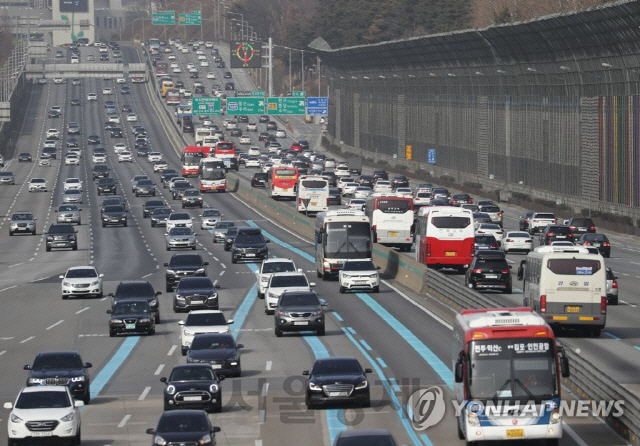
(270, 67)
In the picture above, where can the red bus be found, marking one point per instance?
(190, 157)
(283, 182)
(173, 96)
(445, 237)
(162, 68)
(391, 221)
(225, 149)
(505, 360)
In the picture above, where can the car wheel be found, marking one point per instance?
(169, 288)
(104, 225)
(47, 248)
(168, 249)
(233, 260)
(184, 351)
(508, 290)
(87, 396)
(77, 439)
(153, 224)
(137, 195)
(367, 402)
(167, 406)
(320, 332)
(193, 248)
(125, 224)
(112, 333)
(342, 289)
(151, 331)
(278, 332)
(308, 403)
(98, 191)
(201, 208)
(11, 233)
(158, 317)
(595, 332)
(613, 301)
(183, 206)
(376, 289)
(217, 407)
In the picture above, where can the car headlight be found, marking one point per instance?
(36, 381)
(171, 272)
(66, 284)
(205, 440)
(115, 321)
(159, 441)
(96, 283)
(189, 333)
(171, 389)
(213, 388)
(16, 419)
(362, 385)
(313, 386)
(179, 297)
(555, 417)
(77, 379)
(200, 271)
(145, 320)
(153, 303)
(373, 276)
(472, 418)
(68, 417)
(316, 313)
(49, 237)
(213, 296)
(273, 295)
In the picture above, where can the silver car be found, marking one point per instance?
(209, 218)
(220, 230)
(72, 196)
(22, 221)
(68, 213)
(612, 287)
(180, 237)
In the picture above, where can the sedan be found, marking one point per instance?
(44, 160)
(76, 102)
(92, 97)
(362, 192)
(209, 218)
(596, 240)
(383, 186)
(132, 117)
(356, 203)
(179, 237)
(159, 216)
(188, 427)
(160, 166)
(131, 316)
(22, 221)
(349, 188)
(107, 91)
(125, 90)
(195, 293)
(193, 386)
(99, 157)
(68, 213)
(337, 380)
(281, 134)
(191, 198)
(125, 156)
(218, 349)
(491, 228)
(24, 156)
(37, 185)
(517, 241)
(93, 140)
(81, 281)
(245, 140)
(107, 186)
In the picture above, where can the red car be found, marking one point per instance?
(296, 147)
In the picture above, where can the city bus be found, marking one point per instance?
(283, 182)
(213, 177)
(507, 369)
(154, 43)
(190, 158)
(162, 68)
(567, 286)
(392, 221)
(312, 194)
(172, 96)
(340, 235)
(224, 149)
(445, 237)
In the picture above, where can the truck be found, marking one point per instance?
(355, 165)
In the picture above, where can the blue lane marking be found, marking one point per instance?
(636, 347)
(113, 365)
(382, 363)
(351, 330)
(284, 244)
(242, 312)
(338, 316)
(365, 345)
(394, 384)
(612, 336)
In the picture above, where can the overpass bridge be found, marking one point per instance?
(137, 72)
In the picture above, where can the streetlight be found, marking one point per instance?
(200, 3)
(241, 17)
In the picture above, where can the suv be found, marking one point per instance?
(270, 266)
(114, 214)
(22, 221)
(580, 225)
(359, 274)
(61, 235)
(61, 368)
(299, 311)
(249, 244)
(107, 185)
(489, 271)
(494, 212)
(183, 265)
(202, 321)
(138, 289)
(281, 282)
(539, 221)
(554, 233)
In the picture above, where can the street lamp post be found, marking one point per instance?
(241, 18)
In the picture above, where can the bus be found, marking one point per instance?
(162, 68)
(172, 96)
(445, 237)
(154, 43)
(507, 369)
(190, 157)
(213, 177)
(567, 286)
(312, 194)
(340, 235)
(225, 149)
(201, 133)
(283, 182)
(391, 221)
(166, 86)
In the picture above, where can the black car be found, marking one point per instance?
(259, 179)
(334, 196)
(262, 136)
(93, 139)
(596, 240)
(365, 437)
(179, 189)
(366, 180)
(191, 198)
(53, 113)
(113, 215)
(159, 216)
(131, 316)
(104, 57)
(193, 386)
(73, 142)
(194, 75)
(249, 244)
(243, 118)
(221, 64)
(61, 235)
(184, 427)
(195, 293)
(229, 237)
(107, 186)
(76, 102)
(380, 175)
(336, 381)
(235, 131)
(485, 242)
(126, 108)
(166, 176)
(218, 349)
(51, 151)
(183, 265)
(116, 132)
(489, 270)
(61, 368)
(145, 187)
(272, 125)
(149, 206)
(525, 218)
(108, 126)
(229, 86)
(100, 171)
(580, 225)
(227, 75)
(304, 144)
(125, 90)
(138, 289)
(399, 181)
(460, 199)
(299, 311)
(187, 126)
(24, 156)
(554, 233)
(331, 176)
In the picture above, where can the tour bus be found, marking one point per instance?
(225, 149)
(166, 86)
(312, 194)
(445, 237)
(340, 235)
(283, 182)
(154, 43)
(201, 133)
(213, 177)
(392, 221)
(190, 157)
(162, 68)
(172, 96)
(507, 369)
(567, 287)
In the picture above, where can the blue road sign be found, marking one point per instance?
(431, 156)
(318, 106)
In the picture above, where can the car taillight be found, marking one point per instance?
(573, 228)
(603, 304)
(470, 201)
(614, 285)
(549, 234)
(494, 246)
(327, 202)
(593, 228)
(476, 271)
(428, 253)
(543, 303)
(606, 244)
(509, 240)
(505, 271)
(587, 243)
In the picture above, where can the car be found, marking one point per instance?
(209, 218)
(113, 200)
(349, 188)
(201, 322)
(125, 90)
(357, 204)
(600, 241)
(259, 179)
(154, 156)
(58, 80)
(524, 220)
(383, 187)
(540, 220)
(362, 192)
(131, 316)
(72, 196)
(54, 113)
(144, 187)
(494, 212)
(268, 268)
(55, 404)
(337, 380)
(72, 184)
(68, 213)
(359, 275)
(73, 142)
(61, 235)
(406, 192)
(125, 156)
(61, 368)
(191, 198)
(92, 97)
(179, 219)
(245, 140)
(121, 80)
(460, 199)
(519, 241)
(49, 144)
(221, 229)
(491, 228)
(126, 108)
(580, 225)
(137, 289)
(35, 184)
(76, 102)
(149, 206)
(192, 386)
(119, 147)
(252, 127)
(489, 270)
(99, 157)
(248, 244)
(107, 91)
(159, 216)
(183, 265)
(365, 437)
(53, 134)
(50, 152)
(442, 192)
(281, 282)
(107, 185)
(186, 426)
(299, 311)
(485, 242)
(180, 237)
(22, 221)
(81, 281)
(116, 132)
(553, 232)
(113, 215)
(478, 218)
(421, 198)
(24, 156)
(104, 57)
(178, 189)
(195, 293)
(612, 287)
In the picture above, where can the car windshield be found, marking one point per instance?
(592, 238)
(491, 209)
(345, 366)
(73, 192)
(252, 239)
(22, 216)
(57, 361)
(492, 264)
(206, 319)
(43, 400)
(189, 283)
(114, 208)
(518, 235)
(369, 440)
(179, 216)
(299, 300)
(62, 229)
(131, 308)
(211, 213)
(145, 183)
(37, 181)
(277, 267)
(490, 227)
(180, 231)
(171, 422)
(78, 273)
(485, 239)
(68, 208)
(225, 225)
(192, 374)
(288, 281)
(212, 342)
(185, 260)
(161, 211)
(358, 265)
(190, 193)
(7, 174)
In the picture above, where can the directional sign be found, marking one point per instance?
(285, 106)
(245, 106)
(318, 106)
(297, 93)
(190, 19)
(431, 156)
(164, 18)
(254, 94)
(205, 106)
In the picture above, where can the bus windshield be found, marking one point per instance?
(213, 174)
(512, 369)
(450, 222)
(394, 206)
(348, 240)
(192, 158)
(285, 173)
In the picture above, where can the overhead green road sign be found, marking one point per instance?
(254, 93)
(205, 106)
(245, 106)
(286, 106)
(164, 18)
(194, 18)
(297, 93)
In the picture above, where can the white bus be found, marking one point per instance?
(340, 235)
(312, 194)
(391, 221)
(212, 174)
(567, 287)
(201, 134)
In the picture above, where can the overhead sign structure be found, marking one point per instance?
(164, 18)
(318, 106)
(286, 106)
(431, 156)
(245, 54)
(245, 106)
(205, 106)
(74, 5)
(250, 94)
(195, 18)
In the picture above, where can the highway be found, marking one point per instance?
(407, 347)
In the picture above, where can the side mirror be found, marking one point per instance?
(324, 304)
(100, 275)
(216, 429)
(60, 276)
(521, 269)
(158, 293)
(230, 321)
(240, 346)
(180, 322)
(206, 263)
(8, 405)
(78, 403)
(368, 371)
(88, 365)
(510, 267)
(166, 265)
(163, 380)
(27, 367)
(151, 431)
(312, 284)
(377, 267)
(109, 311)
(267, 240)
(305, 373)
(111, 295)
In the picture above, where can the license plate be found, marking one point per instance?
(491, 276)
(561, 236)
(582, 229)
(596, 245)
(251, 255)
(450, 254)
(285, 190)
(216, 366)
(393, 234)
(338, 394)
(193, 398)
(515, 433)
(41, 434)
(196, 301)
(301, 323)
(572, 309)
(130, 326)
(313, 203)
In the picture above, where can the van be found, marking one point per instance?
(567, 286)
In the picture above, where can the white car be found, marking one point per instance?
(179, 219)
(190, 66)
(208, 45)
(132, 117)
(71, 159)
(209, 218)
(44, 160)
(76, 151)
(491, 228)
(359, 275)
(252, 161)
(211, 75)
(362, 192)
(204, 63)
(49, 143)
(125, 156)
(342, 181)
(92, 97)
(171, 57)
(121, 80)
(356, 203)
(154, 156)
(270, 266)
(58, 80)
(99, 157)
(81, 281)
(119, 147)
(202, 321)
(281, 134)
(421, 198)
(517, 241)
(187, 94)
(177, 70)
(349, 188)
(37, 185)
(201, 56)
(383, 186)
(184, 50)
(281, 282)
(266, 167)
(72, 184)
(55, 404)
(342, 171)
(107, 91)
(160, 166)
(245, 140)
(177, 65)
(53, 134)
(404, 192)
(114, 119)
